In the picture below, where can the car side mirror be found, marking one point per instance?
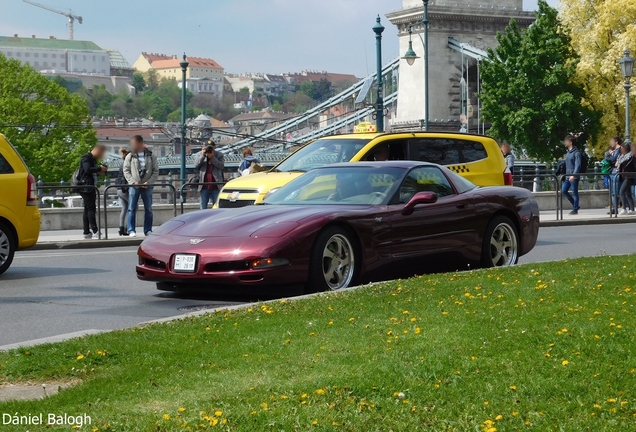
(419, 198)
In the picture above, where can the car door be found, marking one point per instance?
(438, 230)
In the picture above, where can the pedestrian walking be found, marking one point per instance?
(86, 175)
(140, 170)
(209, 164)
(627, 169)
(506, 150)
(615, 181)
(573, 165)
(248, 160)
(122, 193)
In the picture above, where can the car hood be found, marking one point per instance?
(254, 221)
(264, 182)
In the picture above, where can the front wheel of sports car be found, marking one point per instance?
(333, 261)
(501, 244)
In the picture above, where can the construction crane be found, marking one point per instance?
(70, 15)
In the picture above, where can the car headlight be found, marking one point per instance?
(265, 263)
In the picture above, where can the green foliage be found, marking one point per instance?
(138, 82)
(257, 108)
(277, 106)
(244, 90)
(298, 103)
(528, 91)
(323, 89)
(50, 127)
(307, 88)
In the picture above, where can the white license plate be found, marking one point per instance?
(185, 263)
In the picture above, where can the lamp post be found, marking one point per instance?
(184, 68)
(627, 69)
(410, 58)
(378, 29)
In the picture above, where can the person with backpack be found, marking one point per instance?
(140, 170)
(574, 163)
(248, 160)
(122, 193)
(627, 169)
(86, 175)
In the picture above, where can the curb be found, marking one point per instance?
(581, 222)
(86, 244)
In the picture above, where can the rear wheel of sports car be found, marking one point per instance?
(7, 247)
(333, 260)
(501, 243)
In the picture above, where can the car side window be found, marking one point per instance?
(473, 151)
(425, 179)
(387, 150)
(442, 151)
(5, 167)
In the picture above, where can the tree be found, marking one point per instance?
(601, 30)
(297, 103)
(528, 89)
(138, 82)
(244, 90)
(323, 89)
(308, 88)
(152, 79)
(50, 127)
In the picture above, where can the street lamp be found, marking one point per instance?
(184, 68)
(410, 58)
(627, 69)
(378, 29)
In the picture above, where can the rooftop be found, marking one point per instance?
(51, 43)
(174, 62)
(117, 60)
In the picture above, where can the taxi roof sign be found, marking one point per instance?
(365, 127)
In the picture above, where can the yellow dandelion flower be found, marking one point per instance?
(389, 332)
(330, 323)
(418, 330)
(444, 313)
(514, 413)
(303, 396)
(253, 413)
(80, 357)
(218, 413)
(499, 417)
(181, 409)
(315, 422)
(473, 358)
(405, 312)
(623, 402)
(352, 319)
(565, 362)
(413, 319)
(264, 406)
(611, 400)
(486, 402)
(546, 355)
(166, 416)
(513, 387)
(320, 392)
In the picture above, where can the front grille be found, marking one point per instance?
(227, 266)
(154, 263)
(243, 191)
(225, 203)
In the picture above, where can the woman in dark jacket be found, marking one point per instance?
(122, 193)
(626, 166)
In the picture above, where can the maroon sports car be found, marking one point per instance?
(342, 225)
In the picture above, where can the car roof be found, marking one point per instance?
(373, 135)
(385, 164)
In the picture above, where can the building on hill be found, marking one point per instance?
(253, 123)
(337, 80)
(204, 85)
(169, 66)
(57, 54)
(119, 66)
(144, 61)
(204, 127)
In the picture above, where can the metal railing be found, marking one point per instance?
(62, 187)
(614, 211)
(538, 180)
(184, 195)
(173, 191)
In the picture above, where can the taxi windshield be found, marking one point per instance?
(320, 153)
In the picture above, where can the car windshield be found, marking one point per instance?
(340, 186)
(320, 153)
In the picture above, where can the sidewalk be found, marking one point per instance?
(73, 239)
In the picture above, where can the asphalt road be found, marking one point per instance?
(49, 293)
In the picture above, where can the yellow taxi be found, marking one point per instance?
(475, 157)
(19, 214)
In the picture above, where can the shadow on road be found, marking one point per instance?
(19, 273)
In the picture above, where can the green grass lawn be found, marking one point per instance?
(546, 347)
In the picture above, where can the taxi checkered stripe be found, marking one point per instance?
(459, 168)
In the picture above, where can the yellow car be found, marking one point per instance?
(19, 214)
(475, 157)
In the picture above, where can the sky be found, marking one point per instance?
(274, 36)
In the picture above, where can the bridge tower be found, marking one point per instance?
(453, 76)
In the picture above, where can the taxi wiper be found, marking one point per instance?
(297, 170)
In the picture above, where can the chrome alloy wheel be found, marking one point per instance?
(504, 249)
(5, 248)
(338, 262)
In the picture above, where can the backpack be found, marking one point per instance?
(560, 168)
(121, 182)
(79, 178)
